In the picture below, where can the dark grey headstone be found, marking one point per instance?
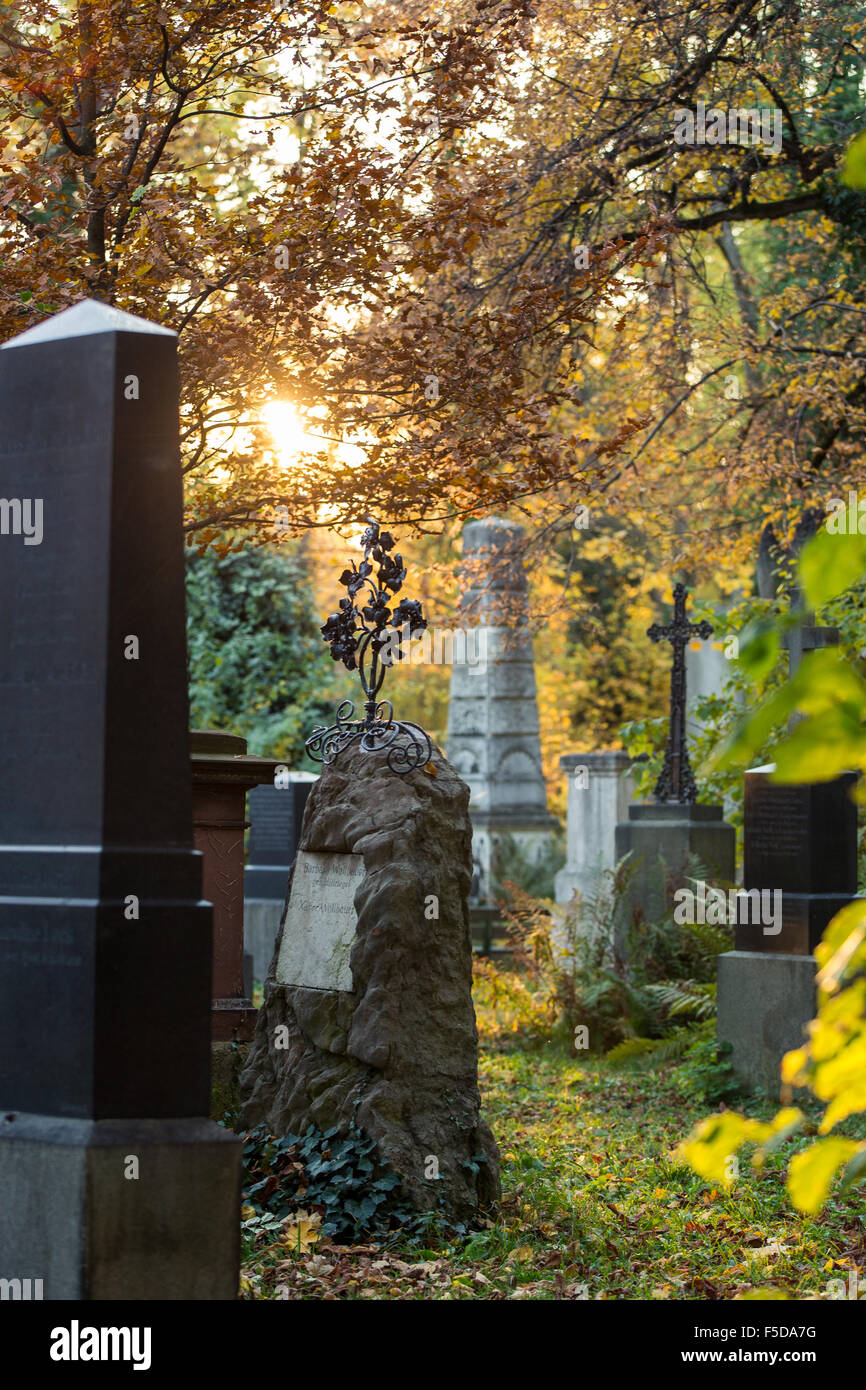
(99, 1015)
(276, 815)
(104, 1017)
(765, 1003)
(683, 837)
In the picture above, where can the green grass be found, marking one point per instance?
(593, 1207)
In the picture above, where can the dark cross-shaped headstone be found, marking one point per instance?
(777, 563)
(805, 636)
(802, 638)
(676, 781)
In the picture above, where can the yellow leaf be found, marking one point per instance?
(715, 1140)
(522, 1255)
(301, 1231)
(811, 1173)
(793, 1064)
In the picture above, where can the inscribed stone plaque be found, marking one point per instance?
(320, 922)
(801, 838)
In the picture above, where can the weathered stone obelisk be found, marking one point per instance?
(113, 1183)
(493, 736)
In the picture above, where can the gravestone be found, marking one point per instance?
(666, 837)
(276, 815)
(114, 1183)
(222, 775)
(600, 790)
(367, 1014)
(799, 839)
(800, 850)
(493, 737)
(800, 854)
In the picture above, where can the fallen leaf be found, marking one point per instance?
(301, 1231)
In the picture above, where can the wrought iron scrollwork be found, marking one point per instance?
(366, 634)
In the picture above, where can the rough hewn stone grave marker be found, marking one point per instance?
(367, 1016)
(113, 1183)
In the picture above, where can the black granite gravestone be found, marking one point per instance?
(105, 943)
(276, 814)
(800, 855)
(799, 841)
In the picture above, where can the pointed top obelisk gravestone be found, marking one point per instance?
(83, 320)
(105, 944)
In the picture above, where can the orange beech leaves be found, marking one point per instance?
(308, 199)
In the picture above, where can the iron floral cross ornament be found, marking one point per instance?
(366, 635)
(676, 781)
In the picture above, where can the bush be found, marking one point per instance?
(705, 1073)
(584, 966)
(510, 864)
(258, 666)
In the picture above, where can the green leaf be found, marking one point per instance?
(825, 681)
(855, 1170)
(854, 164)
(821, 748)
(830, 564)
(753, 730)
(759, 649)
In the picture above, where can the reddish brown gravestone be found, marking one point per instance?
(222, 774)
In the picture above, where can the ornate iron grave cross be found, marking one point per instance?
(676, 781)
(366, 635)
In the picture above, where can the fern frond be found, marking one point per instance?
(630, 1049)
(713, 940)
(672, 1047)
(653, 1052)
(685, 997)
